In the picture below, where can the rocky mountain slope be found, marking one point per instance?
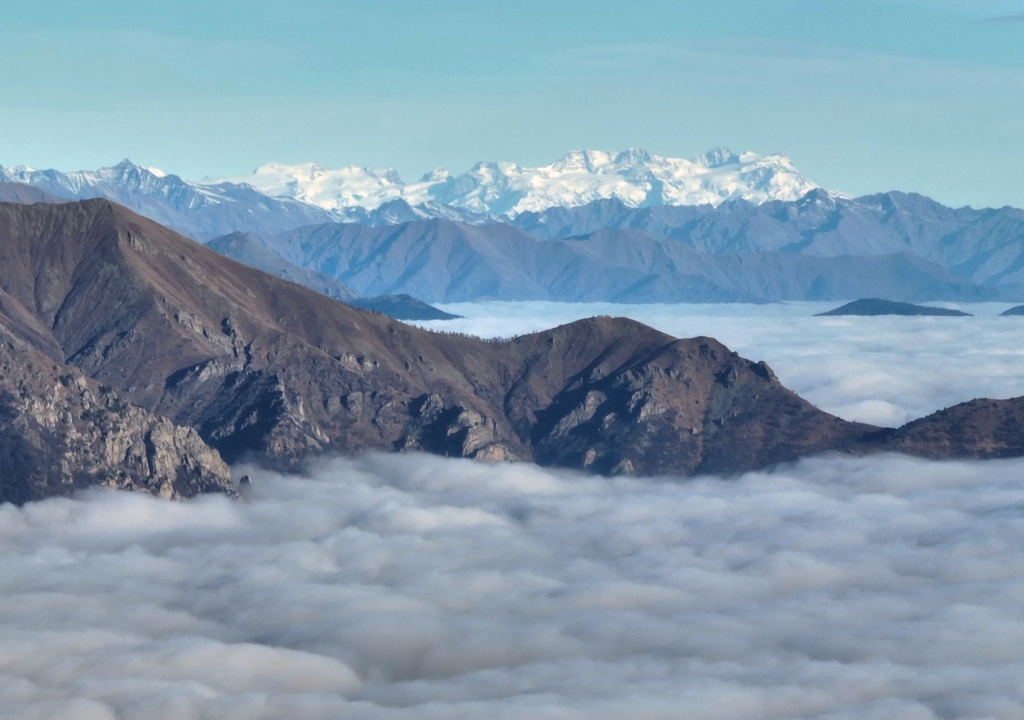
(980, 428)
(268, 369)
(444, 261)
(61, 432)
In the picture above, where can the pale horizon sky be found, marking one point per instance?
(917, 95)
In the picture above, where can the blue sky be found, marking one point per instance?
(864, 95)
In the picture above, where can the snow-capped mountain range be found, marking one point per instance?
(276, 197)
(505, 189)
(201, 210)
(642, 214)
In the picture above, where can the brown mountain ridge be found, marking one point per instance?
(265, 369)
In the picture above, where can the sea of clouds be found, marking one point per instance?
(881, 370)
(407, 586)
(402, 586)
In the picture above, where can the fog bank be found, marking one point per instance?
(406, 586)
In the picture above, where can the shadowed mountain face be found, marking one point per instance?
(251, 251)
(402, 307)
(21, 193)
(444, 261)
(265, 368)
(874, 306)
(248, 250)
(984, 246)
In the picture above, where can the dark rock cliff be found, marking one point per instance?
(60, 431)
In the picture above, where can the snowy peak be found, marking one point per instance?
(600, 162)
(110, 181)
(489, 190)
(635, 177)
(133, 185)
(306, 171)
(591, 161)
(348, 187)
(633, 157)
(719, 157)
(437, 175)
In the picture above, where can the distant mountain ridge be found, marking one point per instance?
(641, 249)
(252, 251)
(248, 250)
(444, 261)
(201, 211)
(984, 246)
(277, 197)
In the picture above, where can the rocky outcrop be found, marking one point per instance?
(60, 432)
(690, 406)
(453, 431)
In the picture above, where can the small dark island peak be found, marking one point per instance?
(876, 306)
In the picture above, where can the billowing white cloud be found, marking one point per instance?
(881, 370)
(406, 586)
(402, 586)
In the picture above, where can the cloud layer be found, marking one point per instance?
(881, 370)
(408, 587)
(403, 586)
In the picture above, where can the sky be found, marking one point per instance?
(864, 95)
